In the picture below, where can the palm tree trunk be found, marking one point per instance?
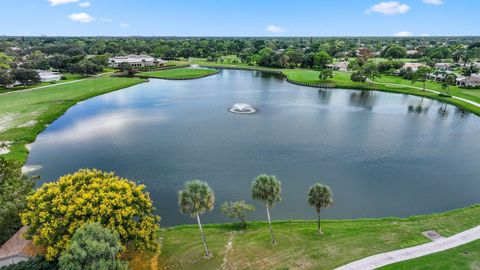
(318, 224)
(270, 224)
(203, 236)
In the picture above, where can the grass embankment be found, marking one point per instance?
(69, 77)
(390, 84)
(299, 247)
(179, 73)
(463, 257)
(24, 115)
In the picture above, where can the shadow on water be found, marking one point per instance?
(364, 99)
(420, 108)
(324, 96)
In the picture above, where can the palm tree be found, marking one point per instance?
(267, 189)
(319, 196)
(195, 199)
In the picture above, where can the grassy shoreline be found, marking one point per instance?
(299, 247)
(24, 115)
(342, 80)
(180, 73)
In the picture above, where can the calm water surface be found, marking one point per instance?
(382, 154)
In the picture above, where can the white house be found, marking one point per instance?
(135, 61)
(474, 80)
(48, 76)
(443, 66)
(412, 52)
(413, 66)
(342, 66)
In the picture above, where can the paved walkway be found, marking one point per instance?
(429, 90)
(387, 258)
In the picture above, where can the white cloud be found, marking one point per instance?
(124, 25)
(61, 2)
(403, 34)
(433, 2)
(84, 4)
(274, 29)
(389, 8)
(107, 20)
(425, 35)
(81, 17)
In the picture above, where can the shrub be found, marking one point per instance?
(58, 209)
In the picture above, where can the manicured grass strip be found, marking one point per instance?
(179, 73)
(299, 247)
(24, 115)
(342, 80)
(462, 257)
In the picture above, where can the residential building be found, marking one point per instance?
(471, 81)
(443, 66)
(18, 249)
(413, 66)
(48, 76)
(135, 61)
(341, 66)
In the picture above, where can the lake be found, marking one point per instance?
(382, 154)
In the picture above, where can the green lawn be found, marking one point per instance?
(342, 80)
(179, 73)
(299, 247)
(24, 115)
(69, 77)
(463, 257)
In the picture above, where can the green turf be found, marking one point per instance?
(179, 73)
(299, 247)
(24, 115)
(463, 257)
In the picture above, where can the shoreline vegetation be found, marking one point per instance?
(386, 83)
(180, 73)
(298, 246)
(24, 115)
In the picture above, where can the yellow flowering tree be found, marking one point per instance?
(56, 210)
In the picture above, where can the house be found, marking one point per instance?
(413, 66)
(341, 66)
(135, 61)
(48, 76)
(412, 52)
(443, 66)
(473, 80)
(18, 249)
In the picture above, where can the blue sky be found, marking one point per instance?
(239, 17)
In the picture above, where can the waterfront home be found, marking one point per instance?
(443, 66)
(18, 249)
(341, 66)
(135, 61)
(49, 76)
(471, 81)
(413, 66)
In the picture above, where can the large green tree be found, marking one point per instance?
(14, 188)
(322, 59)
(195, 199)
(267, 189)
(56, 210)
(319, 196)
(93, 247)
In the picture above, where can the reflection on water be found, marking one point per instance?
(364, 99)
(379, 158)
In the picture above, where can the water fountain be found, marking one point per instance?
(242, 108)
